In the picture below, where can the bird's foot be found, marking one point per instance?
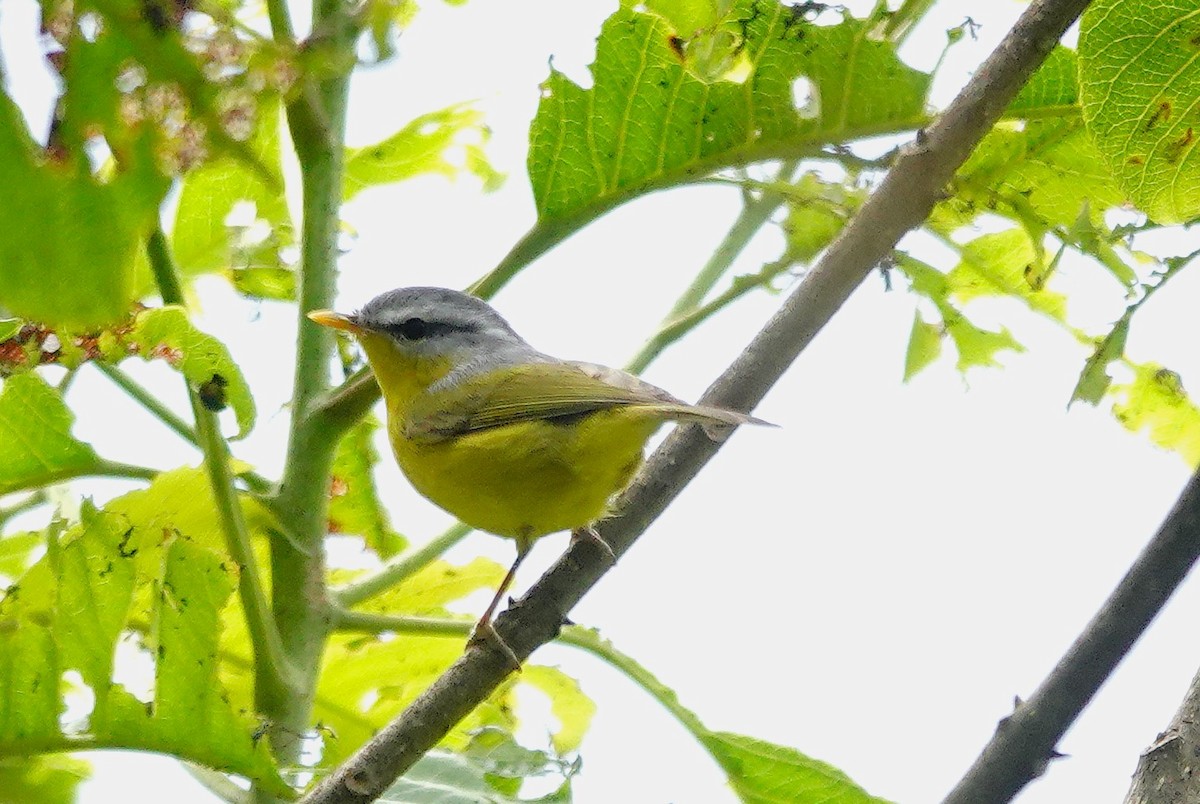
(484, 633)
(590, 534)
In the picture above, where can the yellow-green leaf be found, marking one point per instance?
(166, 333)
(36, 446)
(1139, 71)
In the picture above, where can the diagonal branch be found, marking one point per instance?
(903, 200)
(1024, 742)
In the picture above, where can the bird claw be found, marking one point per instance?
(590, 534)
(484, 633)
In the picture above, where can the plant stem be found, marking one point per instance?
(341, 408)
(755, 213)
(148, 401)
(254, 481)
(400, 568)
(317, 123)
(38, 497)
(274, 676)
(106, 468)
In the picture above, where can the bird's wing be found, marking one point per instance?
(547, 391)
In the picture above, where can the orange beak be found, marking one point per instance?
(328, 318)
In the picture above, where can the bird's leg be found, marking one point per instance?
(588, 533)
(484, 630)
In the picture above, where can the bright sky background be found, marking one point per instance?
(871, 583)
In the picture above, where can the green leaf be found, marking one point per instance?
(447, 141)
(436, 586)
(366, 681)
(649, 122)
(52, 779)
(1140, 78)
(924, 346)
(442, 777)
(568, 703)
(1094, 379)
(203, 239)
(669, 106)
(816, 213)
(1003, 264)
(1043, 173)
(167, 333)
(36, 446)
(354, 504)
(106, 579)
(764, 772)
(68, 242)
(1155, 401)
(1052, 90)
(16, 550)
(976, 346)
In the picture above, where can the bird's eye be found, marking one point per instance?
(413, 329)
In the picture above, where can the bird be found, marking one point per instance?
(506, 438)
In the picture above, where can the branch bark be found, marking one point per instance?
(1166, 771)
(1024, 742)
(903, 200)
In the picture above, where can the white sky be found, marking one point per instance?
(871, 583)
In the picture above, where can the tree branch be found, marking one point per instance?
(1024, 742)
(1166, 770)
(903, 200)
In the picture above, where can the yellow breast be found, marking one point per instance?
(532, 478)
(521, 480)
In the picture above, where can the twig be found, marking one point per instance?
(274, 676)
(904, 199)
(403, 567)
(148, 401)
(1024, 742)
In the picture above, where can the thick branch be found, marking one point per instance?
(1024, 742)
(1166, 770)
(902, 202)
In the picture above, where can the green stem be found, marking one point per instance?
(274, 676)
(590, 641)
(217, 783)
(106, 468)
(341, 408)
(38, 497)
(148, 401)
(317, 123)
(254, 481)
(755, 213)
(399, 569)
(904, 19)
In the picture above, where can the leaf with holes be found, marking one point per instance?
(1094, 380)
(976, 346)
(229, 217)
(1155, 401)
(105, 579)
(671, 105)
(1139, 65)
(447, 142)
(69, 240)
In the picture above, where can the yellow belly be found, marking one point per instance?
(532, 478)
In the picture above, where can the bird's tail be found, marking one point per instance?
(718, 423)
